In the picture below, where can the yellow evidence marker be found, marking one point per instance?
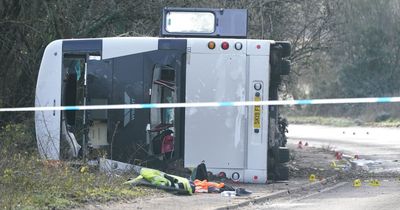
(357, 183)
(84, 169)
(312, 178)
(374, 183)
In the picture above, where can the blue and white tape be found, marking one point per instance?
(208, 104)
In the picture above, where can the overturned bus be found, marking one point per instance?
(203, 55)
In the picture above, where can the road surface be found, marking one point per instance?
(339, 195)
(342, 196)
(378, 148)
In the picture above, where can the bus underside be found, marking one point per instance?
(246, 143)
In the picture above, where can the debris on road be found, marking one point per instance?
(198, 183)
(159, 179)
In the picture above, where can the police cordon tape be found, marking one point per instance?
(208, 104)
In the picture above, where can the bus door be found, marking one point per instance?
(99, 86)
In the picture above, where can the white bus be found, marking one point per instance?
(202, 55)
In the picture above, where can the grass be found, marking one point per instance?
(386, 123)
(27, 182)
(341, 122)
(30, 183)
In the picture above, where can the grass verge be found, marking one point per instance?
(27, 182)
(341, 122)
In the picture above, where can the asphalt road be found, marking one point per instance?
(379, 150)
(361, 140)
(342, 196)
(381, 146)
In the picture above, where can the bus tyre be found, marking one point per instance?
(285, 67)
(285, 48)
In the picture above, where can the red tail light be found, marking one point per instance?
(225, 45)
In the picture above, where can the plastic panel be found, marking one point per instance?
(48, 93)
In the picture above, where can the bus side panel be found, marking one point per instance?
(48, 93)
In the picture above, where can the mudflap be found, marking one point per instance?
(283, 154)
(281, 172)
(277, 164)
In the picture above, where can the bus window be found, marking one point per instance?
(162, 120)
(167, 114)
